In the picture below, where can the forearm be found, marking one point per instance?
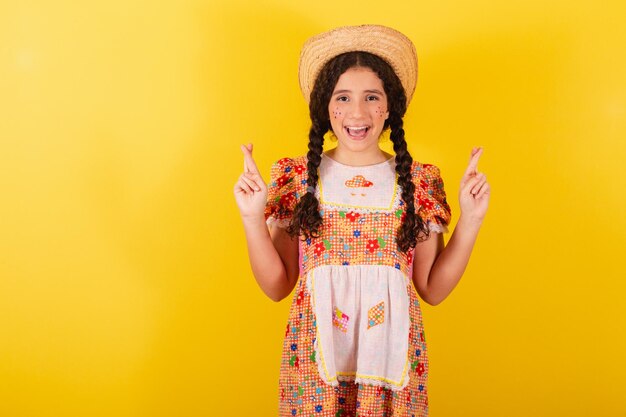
(267, 266)
(450, 265)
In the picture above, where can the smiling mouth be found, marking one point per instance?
(357, 132)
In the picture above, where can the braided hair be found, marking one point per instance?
(306, 220)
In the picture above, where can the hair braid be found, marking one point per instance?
(306, 218)
(412, 224)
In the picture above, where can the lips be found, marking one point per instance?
(357, 132)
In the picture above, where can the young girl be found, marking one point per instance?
(363, 231)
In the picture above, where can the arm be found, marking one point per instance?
(273, 254)
(438, 269)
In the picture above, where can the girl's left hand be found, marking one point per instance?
(475, 190)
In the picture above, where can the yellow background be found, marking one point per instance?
(124, 283)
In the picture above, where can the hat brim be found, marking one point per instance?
(387, 43)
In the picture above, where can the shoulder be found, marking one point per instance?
(430, 196)
(288, 164)
(291, 166)
(288, 171)
(424, 168)
(425, 175)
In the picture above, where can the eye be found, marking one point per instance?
(372, 98)
(342, 98)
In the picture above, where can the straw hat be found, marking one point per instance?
(387, 43)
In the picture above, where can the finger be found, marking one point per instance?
(471, 182)
(476, 187)
(244, 150)
(468, 177)
(239, 189)
(257, 179)
(245, 188)
(249, 164)
(250, 182)
(473, 163)
(244, 185)
(484, 190)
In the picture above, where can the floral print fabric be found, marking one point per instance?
(351, 235)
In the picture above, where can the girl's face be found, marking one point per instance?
(358, 109)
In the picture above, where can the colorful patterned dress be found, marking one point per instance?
(354, 341)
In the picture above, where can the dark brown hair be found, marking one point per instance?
(306, 220)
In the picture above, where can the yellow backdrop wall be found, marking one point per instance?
(124, 283)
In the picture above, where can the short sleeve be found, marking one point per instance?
(430, 197)
(281, 193)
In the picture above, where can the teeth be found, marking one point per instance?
(357, 131)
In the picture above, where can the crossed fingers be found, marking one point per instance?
(472, 177)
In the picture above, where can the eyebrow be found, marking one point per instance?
(349, 91)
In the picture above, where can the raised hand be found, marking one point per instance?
(475, 190)
(250, 189)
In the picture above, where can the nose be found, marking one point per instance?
(357, 109)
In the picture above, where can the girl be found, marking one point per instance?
(363, 231)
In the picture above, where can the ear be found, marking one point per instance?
(387, 115)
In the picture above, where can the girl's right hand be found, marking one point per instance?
(250, 189)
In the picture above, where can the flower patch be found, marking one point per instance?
(340, 320)
(376, 315)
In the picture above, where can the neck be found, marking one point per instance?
(360, 158)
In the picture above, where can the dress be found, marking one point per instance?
(354, 341)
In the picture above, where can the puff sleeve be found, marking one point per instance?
(430, 197)
(281, 193)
